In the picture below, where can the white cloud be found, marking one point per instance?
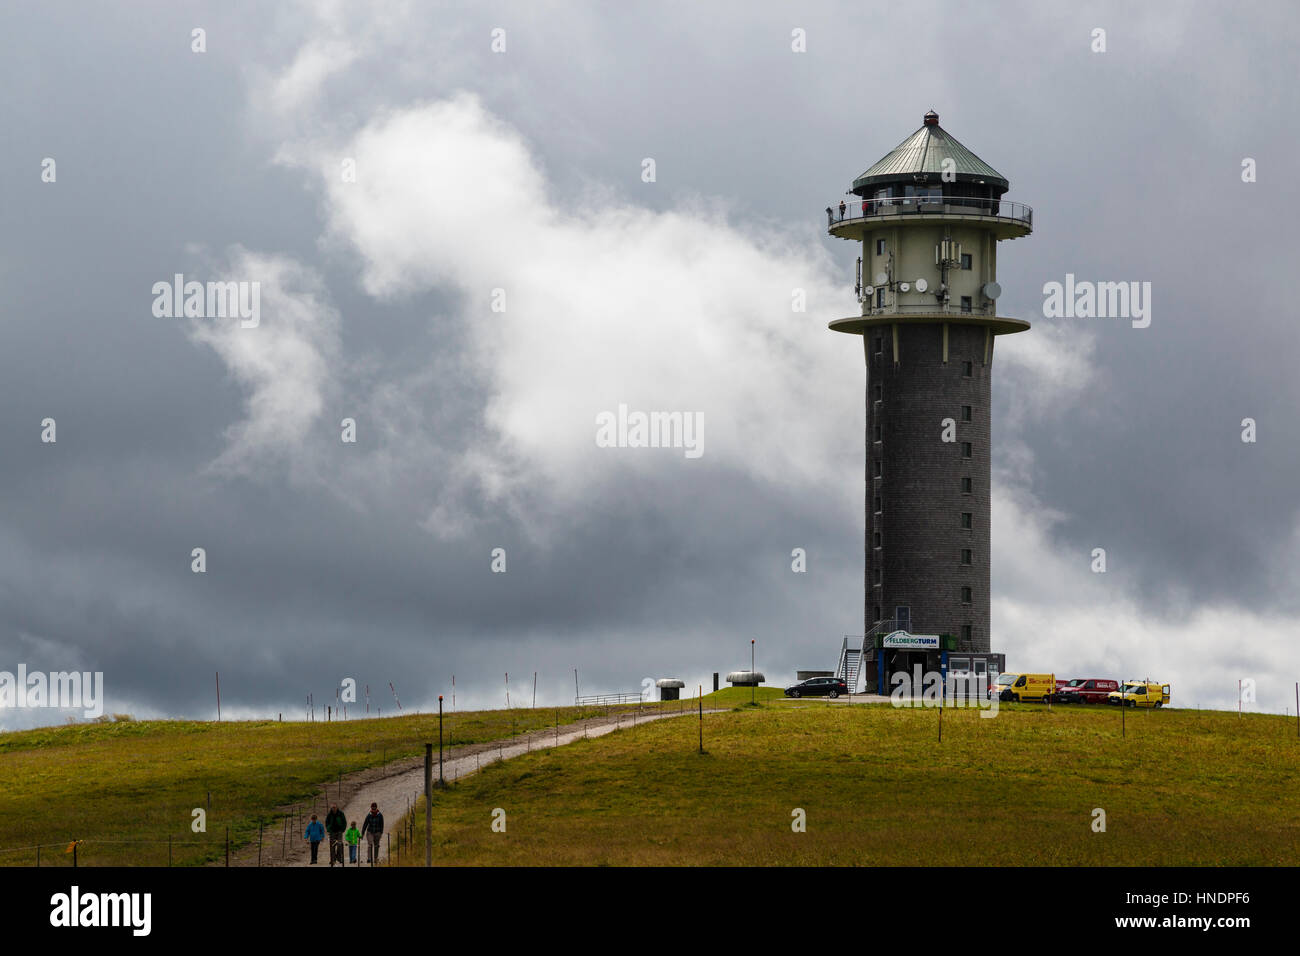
(607, 302)
(283, 363)
(1051, 612)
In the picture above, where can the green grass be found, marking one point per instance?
(114, 784)
(1183, 787)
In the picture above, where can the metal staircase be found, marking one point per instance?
(853, 653)
(850, 665)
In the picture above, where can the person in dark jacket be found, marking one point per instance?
(372, 828)
(335, 824)
(315, 833)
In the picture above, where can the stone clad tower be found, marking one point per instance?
(929, 217)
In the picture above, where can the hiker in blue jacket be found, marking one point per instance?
(315, 833)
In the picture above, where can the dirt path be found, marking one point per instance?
(397, 785)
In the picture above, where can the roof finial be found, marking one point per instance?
(932, 118)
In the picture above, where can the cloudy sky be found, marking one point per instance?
(520, 170)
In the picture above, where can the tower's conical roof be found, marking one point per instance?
(923, 153)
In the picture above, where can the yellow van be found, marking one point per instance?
(1140, 693)
(1018, 687)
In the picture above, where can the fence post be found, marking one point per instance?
(428, 796)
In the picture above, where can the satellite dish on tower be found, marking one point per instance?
(922, 285)
(882, 278)
(904, 287)
(992, 290)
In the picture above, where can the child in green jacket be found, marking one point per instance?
(353, 836)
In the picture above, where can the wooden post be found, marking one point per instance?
(428, 789)
(218, 696)
(441, 780)
(534, 690)
(701, 718)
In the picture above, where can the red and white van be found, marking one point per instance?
(1085, 690)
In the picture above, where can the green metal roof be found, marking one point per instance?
(923, 153)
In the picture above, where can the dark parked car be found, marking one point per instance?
(818, 687)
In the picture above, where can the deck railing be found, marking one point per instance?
(848, 211)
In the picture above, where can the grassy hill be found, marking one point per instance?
(878, 788)
(117, 784)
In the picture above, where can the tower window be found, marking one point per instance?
(966, 518)
(880, 389)
(880, 247)
(965, 303)
(965, 260)
(879, 468)
(876, 616)
(967, 369)
(880, 347)
(966, 633)
(965, 594)
(876, 577)
(966, 556)
(880, 299)
(875, 539)
(965, 413)
(965, 486)
(879, 507)
(965, 449)
(877, 433)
